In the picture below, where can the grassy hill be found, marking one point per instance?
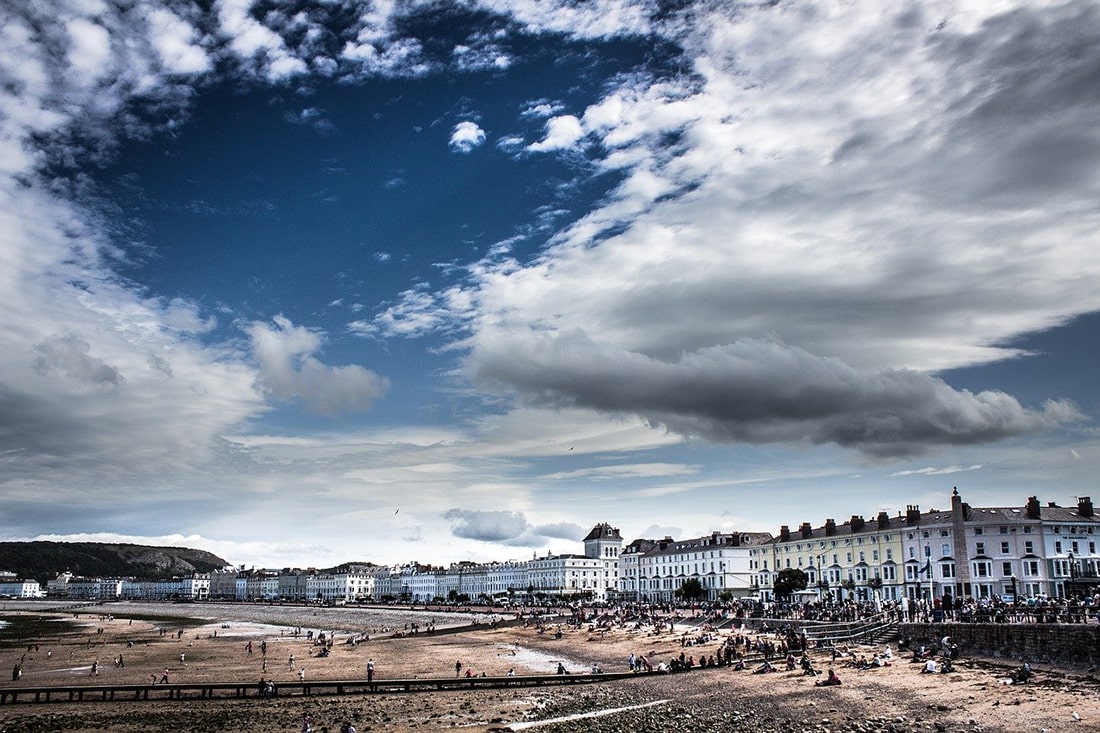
(43, 561)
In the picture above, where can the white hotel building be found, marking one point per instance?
(655, 570)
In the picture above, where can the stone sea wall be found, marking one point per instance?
(1071, 645)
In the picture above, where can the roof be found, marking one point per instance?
(604, 531)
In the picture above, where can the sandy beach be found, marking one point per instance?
(86, 649)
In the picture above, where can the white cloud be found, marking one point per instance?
(937, 471)
(289, 370)
(89, 53)
(466, 136)
(175, 42)
(562, 132)
(840, 204)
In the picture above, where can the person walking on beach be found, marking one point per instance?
(458, 668)
(95, 668)
(370, 673)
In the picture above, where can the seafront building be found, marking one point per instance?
(720, 564)
(857, 559)
(961, 552)
(958, 552)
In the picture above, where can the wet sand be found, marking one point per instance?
(896, 698)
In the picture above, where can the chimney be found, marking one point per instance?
(1033, 508)
(912, 514)
(856, 523)
(1084, 506)
(806, 530)
(830, 527)
(784, 533)
(883, 520)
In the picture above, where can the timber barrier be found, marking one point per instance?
(209, 690)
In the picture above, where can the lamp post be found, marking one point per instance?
(1072, 575)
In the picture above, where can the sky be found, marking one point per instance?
(303, 283)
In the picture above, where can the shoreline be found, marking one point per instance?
(897, 697)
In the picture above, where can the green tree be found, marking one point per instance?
(691, 590)
(788, 581)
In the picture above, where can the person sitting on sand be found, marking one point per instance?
(1022, 675)
(929, 667)
(764, 668)
(830, 680)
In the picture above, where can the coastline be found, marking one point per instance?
(897, 697)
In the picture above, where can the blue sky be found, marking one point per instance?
(302, 283)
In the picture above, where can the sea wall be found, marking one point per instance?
(1071, 645)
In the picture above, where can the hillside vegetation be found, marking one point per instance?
(43, 561)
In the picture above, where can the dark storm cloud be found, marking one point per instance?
(764, 392)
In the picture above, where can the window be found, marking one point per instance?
(1031, 567)
(982, 570)
(1058, 548)
(945, 550)
(977, 530)
(947, 569)
(1004, 548)
(1029, 547)
(1006, 569)
(979, 548)
(1004, 530)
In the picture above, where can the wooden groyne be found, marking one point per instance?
(209, 690)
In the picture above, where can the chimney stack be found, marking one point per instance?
(807, 530)
(856, 523)
(883, 520)
(1084, 506)
(784, 533)
(1033, 508)
(830, 527)
(912, 514)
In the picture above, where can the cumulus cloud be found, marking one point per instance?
(810, 235)
(466, 136)
(562, 133)
(289, 370)
(508, 528)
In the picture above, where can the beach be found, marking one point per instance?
(191, 643)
